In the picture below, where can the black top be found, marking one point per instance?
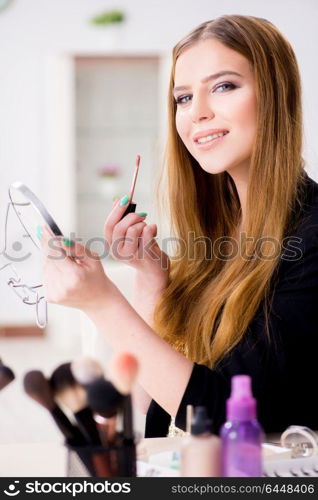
(284, 369)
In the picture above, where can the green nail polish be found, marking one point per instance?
(39, 232)
(67, 242)
(115, 198)
(142, 214)
(124, 200)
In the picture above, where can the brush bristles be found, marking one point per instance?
(62, 378)
(66, 389)
(85, 370)
(123, 371)
(103, 398)
(38, 388)
(7, 372)
(6, 376)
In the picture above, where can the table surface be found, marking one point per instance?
(49, 459)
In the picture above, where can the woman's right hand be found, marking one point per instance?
(132, 241)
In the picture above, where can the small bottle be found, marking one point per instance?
(201, 451)
(241, 435)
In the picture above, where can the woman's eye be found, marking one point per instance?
(231, 85)
(183, 99)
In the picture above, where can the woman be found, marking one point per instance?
(241, 295)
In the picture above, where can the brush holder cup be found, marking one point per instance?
(118, 460)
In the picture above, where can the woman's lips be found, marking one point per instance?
(209, 145)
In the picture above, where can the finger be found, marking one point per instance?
(132, 239)
(51, 245)
(78, 253)
(149, 232)
(120, 237)
(148, 238)
(46, 229)
(149, 245)
(121, 228)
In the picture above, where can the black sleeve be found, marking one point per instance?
(283, 366)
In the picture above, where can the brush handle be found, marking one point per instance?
(72, 434)
(128, 443)
(73, 437)
(128, 458)
(128, 431)
(87, 425)
(103, 465)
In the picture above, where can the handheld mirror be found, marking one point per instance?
(31, 211)
(31, 214)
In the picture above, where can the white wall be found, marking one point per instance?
(35, 33)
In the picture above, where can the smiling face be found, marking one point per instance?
(224, 105)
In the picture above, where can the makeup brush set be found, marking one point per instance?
(94, 414)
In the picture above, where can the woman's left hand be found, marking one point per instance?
(73, 275)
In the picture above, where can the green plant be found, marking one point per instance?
(108, 17)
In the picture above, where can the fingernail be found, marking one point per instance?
(115, 198)
(142, 214)
(39, 232)
(67, 242)
(124, 200)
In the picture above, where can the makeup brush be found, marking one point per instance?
(67, 390)
(132, 206)
(105, 402)
(123, 371)
(38, 388)
(6, 376)
(108, 401)
(103, 397)
(85, 370)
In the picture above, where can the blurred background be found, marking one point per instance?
(82, 91)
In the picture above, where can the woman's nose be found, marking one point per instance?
(200, 110)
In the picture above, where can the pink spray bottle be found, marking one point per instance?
(241, 434)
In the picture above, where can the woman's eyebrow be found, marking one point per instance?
(209, 78)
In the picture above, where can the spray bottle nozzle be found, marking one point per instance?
(241, 405)
(241, 387)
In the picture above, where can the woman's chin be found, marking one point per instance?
(213, 170)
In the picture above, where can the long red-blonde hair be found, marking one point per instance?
(210, 301)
